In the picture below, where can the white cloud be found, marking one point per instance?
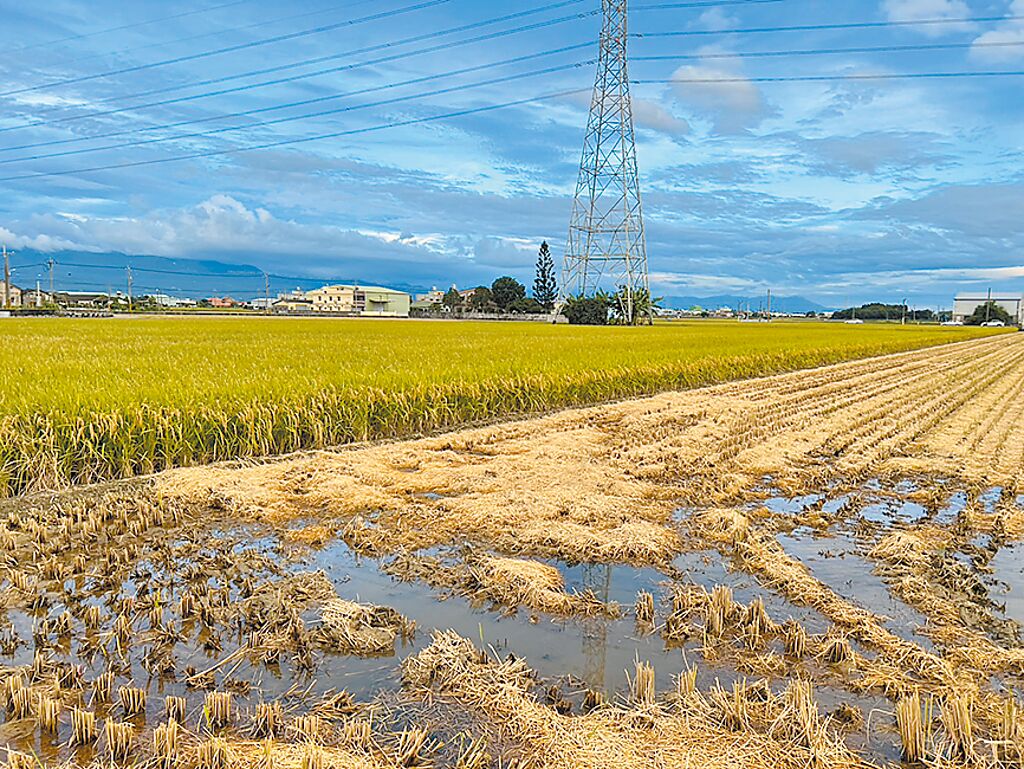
(1006, 41)
(716, 19)
(722, 93)
(654, 116)
(647, 113)
(923, 10)
(39, 242)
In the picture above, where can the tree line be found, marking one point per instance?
(879, 311)
(506, 295)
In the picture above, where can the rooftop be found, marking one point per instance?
(983, 296)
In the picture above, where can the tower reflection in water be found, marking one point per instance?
(597, 578)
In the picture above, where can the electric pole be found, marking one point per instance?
(988, 307)
(903, 318)
(51, 264)
(7, 279)
(769, 305)
(607, 243)
(130, 280)
(266, 293)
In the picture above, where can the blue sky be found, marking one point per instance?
(838, 191)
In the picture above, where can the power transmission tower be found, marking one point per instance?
(607, 245)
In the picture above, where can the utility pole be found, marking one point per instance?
(51, 264)
(130, 280)
(769, 305)
(266, 293)
(39, 294)
(903, 319)
(607, 243)
(988, 307)
(7, 279)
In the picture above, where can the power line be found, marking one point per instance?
(490, 108)
(321, 59)
(826, 27)
(827, 51)
(187, 273)
(215, 33)
(324, 113)
(134, 25)
(333, 70)
(709, 4)
(829, 78)
(232, 48)
(306, 139)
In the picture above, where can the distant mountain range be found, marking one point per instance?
(789, 304)
(187, 278)
(199, 278)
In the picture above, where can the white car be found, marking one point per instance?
(953, 323)
(994, 324)
(855, 323)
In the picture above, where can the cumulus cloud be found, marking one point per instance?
(39, 242)
(224, 228)
(220, 225)
(647, 113)
(922, 10)
(1006, 41)
(722, 94)
(654, 116)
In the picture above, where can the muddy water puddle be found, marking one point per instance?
(837, 561)
(570, 654)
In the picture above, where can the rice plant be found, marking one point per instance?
(83, 727)
(122, 404)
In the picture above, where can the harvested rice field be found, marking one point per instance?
(812, 569)
(84, 401)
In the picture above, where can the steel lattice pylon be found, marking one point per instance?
(607, 247)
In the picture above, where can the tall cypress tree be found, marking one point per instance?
(545, 287)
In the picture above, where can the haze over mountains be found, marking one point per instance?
(787, 304)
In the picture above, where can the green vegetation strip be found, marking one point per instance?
(89, 400)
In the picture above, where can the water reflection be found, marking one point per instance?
(598, 580)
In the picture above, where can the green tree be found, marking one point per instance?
(527, 306)
(986, 312)
(644, 307)
(587, 310)
(452, 299)
(545, 287)
(481, 299)
(506, 290)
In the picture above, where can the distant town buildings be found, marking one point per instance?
(342, 300)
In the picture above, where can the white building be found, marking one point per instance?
(966, 303)
(165, 300)
(361, 300)
(15, 294)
